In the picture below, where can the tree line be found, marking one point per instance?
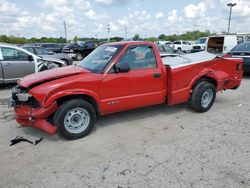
(190, 35)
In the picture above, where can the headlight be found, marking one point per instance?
(23, 97)
(71, 51)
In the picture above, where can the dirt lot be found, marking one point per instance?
(151, 147)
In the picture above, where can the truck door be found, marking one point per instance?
(15, 64)
(143, 85)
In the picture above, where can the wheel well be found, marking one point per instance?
(65, 60)
(205, 78)
(87, 98)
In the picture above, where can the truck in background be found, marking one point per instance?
(222, 44)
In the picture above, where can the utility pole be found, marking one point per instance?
(65, 31)
(108, 31)
(230, 5)
(126, 32)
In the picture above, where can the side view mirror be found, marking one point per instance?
(30, 58)
(122, 67)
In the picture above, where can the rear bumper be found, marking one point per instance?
(36, 117)
(196, 50)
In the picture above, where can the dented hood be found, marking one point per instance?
(49, 75)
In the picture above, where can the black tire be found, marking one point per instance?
(199, 91)
(179, 50)
(79, 56)
(62, 113)
(65, 61)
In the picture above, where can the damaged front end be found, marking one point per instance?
(29, 112)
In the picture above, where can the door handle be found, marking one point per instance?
(157, 75)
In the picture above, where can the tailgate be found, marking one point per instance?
(235, 66)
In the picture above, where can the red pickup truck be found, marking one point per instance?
(117, 77)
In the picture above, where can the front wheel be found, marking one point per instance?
(75, 119)
(203, 97)
(79, 56)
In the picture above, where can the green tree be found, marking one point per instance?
(136, 37)
(162, 37)
(75, 39)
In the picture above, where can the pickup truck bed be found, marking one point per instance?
(185, 70)
(189, 59)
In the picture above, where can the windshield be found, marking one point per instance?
(98, 60)
(244, 47)
(201, 41)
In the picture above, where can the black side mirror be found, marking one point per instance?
(122, 67)
(30, 58)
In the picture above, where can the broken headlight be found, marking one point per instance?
(23, 97)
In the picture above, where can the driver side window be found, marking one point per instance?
(139, 57)
(11, 54)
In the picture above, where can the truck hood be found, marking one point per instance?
(52, 59)
(49, 75)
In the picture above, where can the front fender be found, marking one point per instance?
(50, 99)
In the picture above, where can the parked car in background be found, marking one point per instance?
(241, 51)
(16, 62)
(81, 50)
(200, 44)
(182, 46)
(167, 51)
(47, 53)
(57, 48)
(222, 44)
(163, 42)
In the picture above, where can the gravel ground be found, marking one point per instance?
(151, 147)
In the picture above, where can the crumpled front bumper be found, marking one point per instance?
(36, 117)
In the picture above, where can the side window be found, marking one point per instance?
(139, 57)
(41, 51)
(169, 49)
(30, 49)
(11, 54)
(240, 39)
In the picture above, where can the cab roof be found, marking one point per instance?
(130, 43)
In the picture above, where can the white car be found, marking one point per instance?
(183, 46)
(16, 62)
(200, 44)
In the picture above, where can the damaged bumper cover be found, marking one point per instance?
(36, 117)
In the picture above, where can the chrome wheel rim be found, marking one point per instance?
(76, 120)
(207, 97)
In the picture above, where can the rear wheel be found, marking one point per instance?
(203, 97)
(75, 119)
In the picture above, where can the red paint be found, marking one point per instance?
(27, 116)
(134, 89)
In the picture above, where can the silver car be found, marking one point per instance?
(16, 63)
(39, 51)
